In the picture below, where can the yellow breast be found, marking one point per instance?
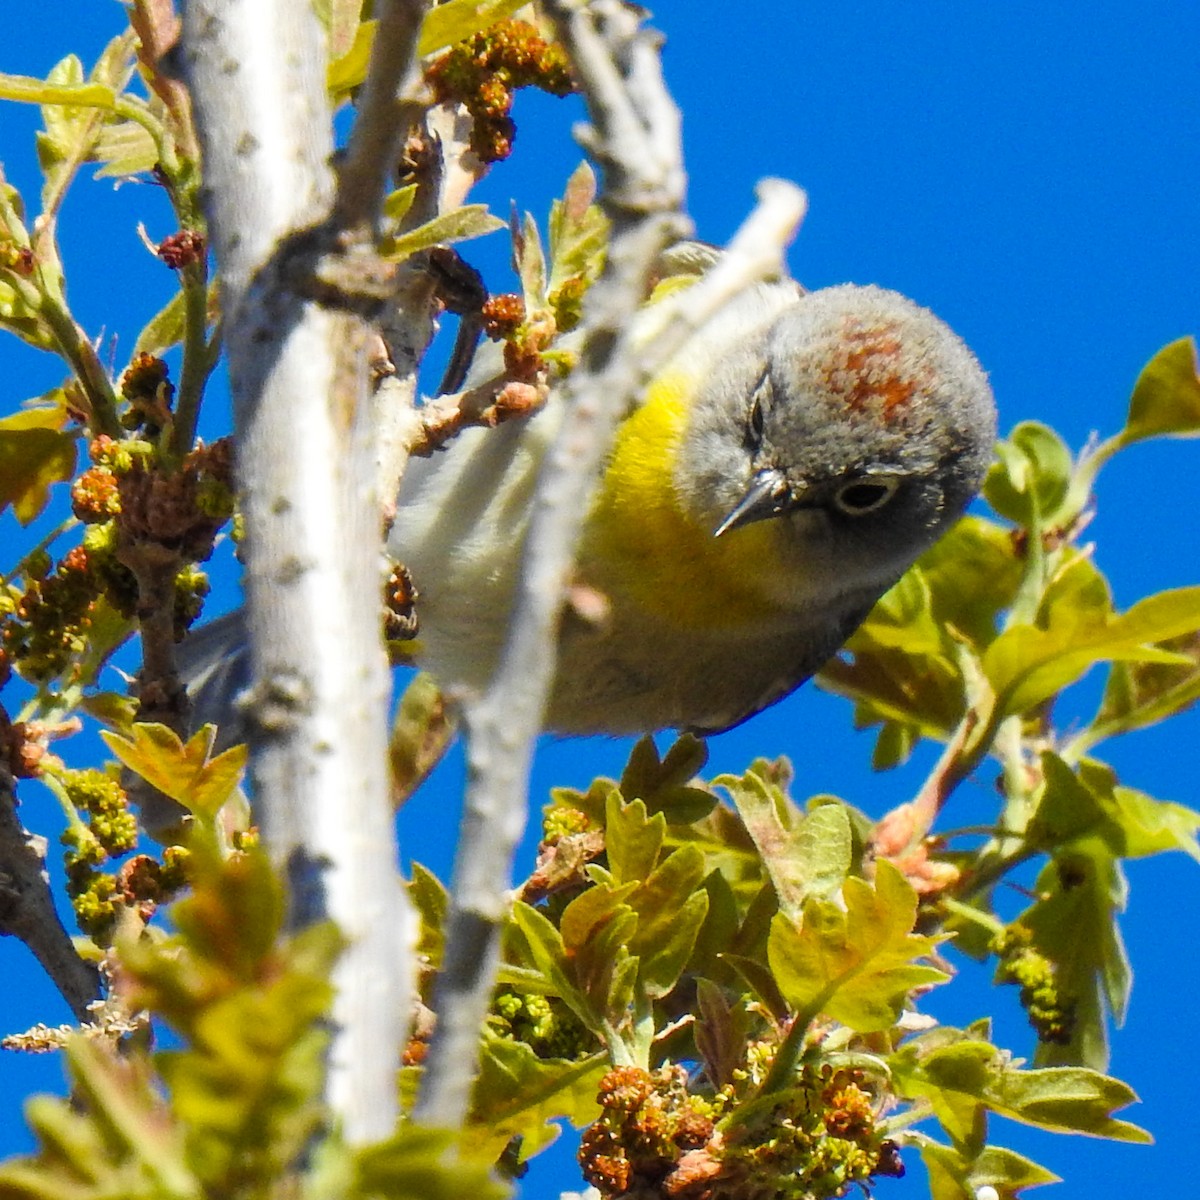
(640, 543)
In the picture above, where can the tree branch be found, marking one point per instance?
(382, 117)
(635, 135)
(298, 300)
(27, 908)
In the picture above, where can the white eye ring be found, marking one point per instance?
(866, 494)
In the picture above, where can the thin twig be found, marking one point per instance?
(197, 362)
(381, 123)
(635, 136)
(27, 908)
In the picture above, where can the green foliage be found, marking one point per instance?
(189, 774)
(721, 982)
(35, 453)
(857, 964)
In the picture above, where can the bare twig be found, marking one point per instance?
(635, 136)
(382, 111)
(27, 908)
(298, 296)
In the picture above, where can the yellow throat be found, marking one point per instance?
(640, 542)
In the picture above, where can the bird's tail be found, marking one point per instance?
(214, 665)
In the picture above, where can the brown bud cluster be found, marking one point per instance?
(400, 623)
(22, 747)
(182, 509)
(648, 1124)
(17, 259)
(483, 72)
(502, 315)
(182, 249)
(150, 393)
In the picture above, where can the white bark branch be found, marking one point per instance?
(298, 346)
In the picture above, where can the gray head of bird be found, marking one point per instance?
(857, 422)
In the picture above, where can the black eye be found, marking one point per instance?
(865, 495)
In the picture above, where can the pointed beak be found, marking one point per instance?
(767, 496)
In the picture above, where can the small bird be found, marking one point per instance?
(781, 472)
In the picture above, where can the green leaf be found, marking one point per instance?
(35, 454)
(671, 908)
(669, 785)
(973, 574)
(1074, 924)
(1077, 600)
(168, 326)
(546, 953)
(64, 87)
(396, 204)
(518, 1094)
(804, 856)
(962, 1077)
(420, 1163)
(1067, 1100)
(633, 840)
(902, 668)
(432, 902)
(21, 315)
(348, 64)
(578, 232)
(857, 964)
(114, 1138)
(247, 1087)
(1166, 397)
(1027, 665)
(186, 773)
(124, 148)
(955, 1176)
(597, 928)
(1032, 477)
(1141, 694)
(76, 111)
(1007, 1171)
(530, 262)
(423, 729)
(1072, 806)
(469, 221)
(457, 20)
(1144, 825)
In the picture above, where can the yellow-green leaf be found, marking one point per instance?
(1032, 477)
(469, 221)
(1142, 694)
(168, 326)
(457, 20)
(422, 1163)
(35, 453)
(1027, 665)
(124, 148)
(348, 70)
(38, 91)
(186, 773)
(857, 964)
(396, 204)
(518, 1094)
(1166, 397)
(804, 856)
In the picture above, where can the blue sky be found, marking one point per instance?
(1032, 173)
